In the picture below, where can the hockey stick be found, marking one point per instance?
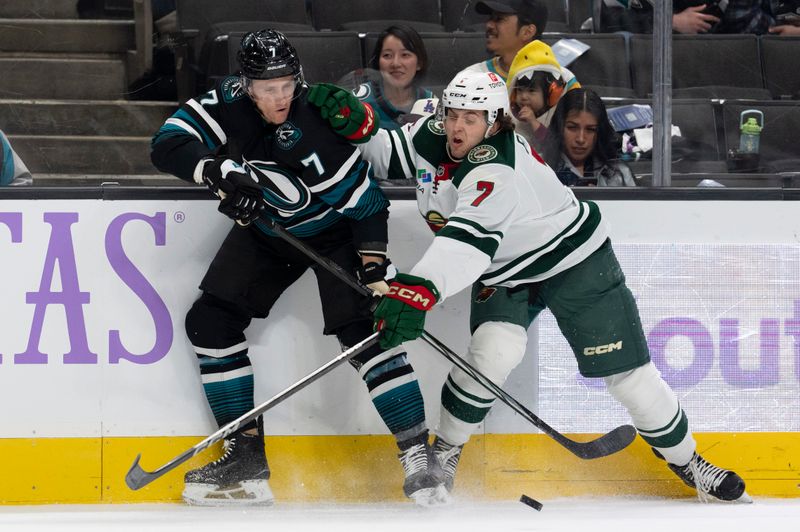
(605, 445)
(138, 477)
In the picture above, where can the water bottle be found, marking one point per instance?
(750, 129)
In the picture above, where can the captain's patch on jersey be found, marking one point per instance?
(485, 293)
(436, 127)
(481, 154)
(287, 135)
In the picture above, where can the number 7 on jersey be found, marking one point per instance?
(486, 187)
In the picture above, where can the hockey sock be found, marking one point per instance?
(228, 385)
(655, 411)
(395, 392)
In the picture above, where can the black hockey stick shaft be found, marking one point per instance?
(605, 445)
(138, 477)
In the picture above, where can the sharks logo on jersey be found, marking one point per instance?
(282, 190)
(232, 89)
(287, 135)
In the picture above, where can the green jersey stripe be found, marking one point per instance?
(478, 227)
(487, 245)
(547, 256)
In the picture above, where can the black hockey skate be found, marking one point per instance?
(239, 478)
(448, 456)
(424, 477)
(710, 481)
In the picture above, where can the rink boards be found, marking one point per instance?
(95, 368)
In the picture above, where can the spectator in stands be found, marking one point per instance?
(697, 16)
(790, 27)
(536, 83)
(512, 24)
(585, 145)
(402, 61)
(13, 171)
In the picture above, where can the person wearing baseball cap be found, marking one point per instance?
(512, 24)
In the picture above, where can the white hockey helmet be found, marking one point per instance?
(480, 91)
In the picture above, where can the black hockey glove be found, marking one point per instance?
(240, 194)
(373, 274)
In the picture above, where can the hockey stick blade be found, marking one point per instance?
(605, 445)
(137, 477)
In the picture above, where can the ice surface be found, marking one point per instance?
(560, 515)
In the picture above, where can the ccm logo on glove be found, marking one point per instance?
(418, 297)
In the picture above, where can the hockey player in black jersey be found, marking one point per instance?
(257, 142)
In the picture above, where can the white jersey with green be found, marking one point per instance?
(501, 215)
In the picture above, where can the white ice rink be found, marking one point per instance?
(562, 515)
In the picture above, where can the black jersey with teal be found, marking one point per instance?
(313, 177)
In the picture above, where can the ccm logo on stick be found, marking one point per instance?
(602, 349)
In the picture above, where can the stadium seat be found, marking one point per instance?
(448, 53)
(700, 60)
(779, 55)
(330, 15)
(604, 64)
(700, 125)
(778, 140)
(577, 13)
(378, 25)
(460, 15)
(723, 92)
(195, 17)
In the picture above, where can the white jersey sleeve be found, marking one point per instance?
(465, 247)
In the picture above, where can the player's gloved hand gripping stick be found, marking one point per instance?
(239, 191)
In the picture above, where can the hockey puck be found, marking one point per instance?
(533, 503)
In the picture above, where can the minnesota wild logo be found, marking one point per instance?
(481, 154)
(436, 126)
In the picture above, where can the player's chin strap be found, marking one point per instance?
(607, 444)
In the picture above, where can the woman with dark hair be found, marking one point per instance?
(401, 59)
(584, 144)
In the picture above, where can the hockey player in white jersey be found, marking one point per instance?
(509, 229)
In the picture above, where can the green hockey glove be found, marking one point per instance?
(348, 116)
(400, 316)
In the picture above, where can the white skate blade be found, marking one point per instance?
(430, 497)
(246, 493)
